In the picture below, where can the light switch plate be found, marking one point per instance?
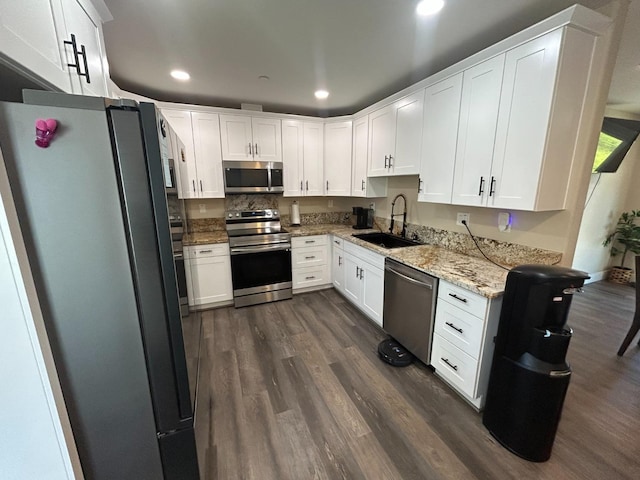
(203, 208)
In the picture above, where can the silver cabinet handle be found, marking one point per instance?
(481, 187)
(357, 272)
(339, 260)
(492, 187)
(201, 185)
(205, 251)
(451, 325)
(336, 242)
(193, 182)
(446, 360)
(362, 188)
(255, 150)
(390, 164)
(420, 182)
(310, 258)
(310, 278)
(250, 150)
(307, 185)
(460, 299)
(327, 185)
(386, 159)
(76, 54)
(301, 186)
(309, 241)
(361, 273)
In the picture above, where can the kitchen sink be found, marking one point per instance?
(385, 240)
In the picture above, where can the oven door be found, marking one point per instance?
(260, 269)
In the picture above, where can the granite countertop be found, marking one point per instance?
(204, 238)
(474, 274)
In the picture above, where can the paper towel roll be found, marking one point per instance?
(295, 214)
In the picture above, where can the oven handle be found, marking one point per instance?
(260, 248)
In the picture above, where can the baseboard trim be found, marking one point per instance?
(596, 276)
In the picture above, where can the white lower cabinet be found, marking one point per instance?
(465, 326)
(208, 272)
(364, 280)
(310, 262)
(337, 264)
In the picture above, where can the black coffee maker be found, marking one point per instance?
(364, 218)
(530, 375)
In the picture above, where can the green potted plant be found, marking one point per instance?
(624, 239)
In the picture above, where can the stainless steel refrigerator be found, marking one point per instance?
(93, 212)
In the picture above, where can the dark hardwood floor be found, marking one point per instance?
(295, 390)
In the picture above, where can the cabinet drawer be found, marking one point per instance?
(309, 256)
(454, 365)
(310, 241)
(459, 327)
(468, 301)
(365, 254)
(203, 251)
(311, 276)
(337, 242)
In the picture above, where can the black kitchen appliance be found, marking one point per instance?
(94, 214)
(364, 218)
(530, 376)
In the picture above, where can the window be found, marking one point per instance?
(616, 138)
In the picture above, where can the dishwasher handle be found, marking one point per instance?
(409, 279)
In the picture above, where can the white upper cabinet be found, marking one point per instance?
(542, 99)
(481, 86)
(91, 79)
(395, 137)
(199, 168)
(439, 140)
(302, 156)
(251, 138)
(337, 158)
(33, 35)
(361, 185)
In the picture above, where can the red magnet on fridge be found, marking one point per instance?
(45, 130)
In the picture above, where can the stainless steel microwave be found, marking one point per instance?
(252, 177)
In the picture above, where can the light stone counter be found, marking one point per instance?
(205, 238)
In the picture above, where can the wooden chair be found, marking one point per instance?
(635, 324)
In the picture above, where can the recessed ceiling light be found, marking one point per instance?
(429, 7)
(180, 75)
(321, 94)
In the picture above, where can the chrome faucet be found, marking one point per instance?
(404, 215)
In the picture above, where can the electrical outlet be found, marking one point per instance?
(203, 208)
(461, 217)
(504, 222)
(330, 202)
(372, 206)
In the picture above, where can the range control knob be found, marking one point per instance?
(230, 215)
(237, 214)
(275, 212)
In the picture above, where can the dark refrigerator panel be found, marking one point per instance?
(68, 203)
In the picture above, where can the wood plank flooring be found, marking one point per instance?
(295, 390)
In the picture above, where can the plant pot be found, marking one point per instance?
(620, 274)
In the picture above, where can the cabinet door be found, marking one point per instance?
(337, 158)
(338, 269)
(372, 291)
(481, 87)
(525, 109)
(211, 280)
(236, 138)
(208, 154)
(440, 135)
(267, 139)
(292, 158)
(382, 129)
(359, 157)
(313, 159)
(408, 135)
(87, 30)
(185, 165)
(352, 282)
(29, 31)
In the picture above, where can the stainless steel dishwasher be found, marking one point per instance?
(409, 307)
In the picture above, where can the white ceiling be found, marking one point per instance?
(359, 50)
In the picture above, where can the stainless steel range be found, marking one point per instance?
(260, 257)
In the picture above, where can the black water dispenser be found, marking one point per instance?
(530, 375)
